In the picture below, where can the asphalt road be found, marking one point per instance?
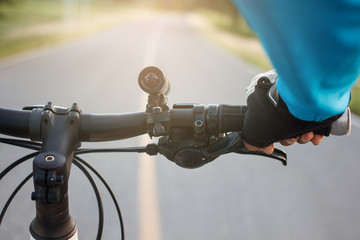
(236, 197)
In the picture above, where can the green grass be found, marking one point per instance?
(19, 15)
(258, 60)
(26, 43)
(23, 13)
(234, 23)
(29, 24)
(355, 98)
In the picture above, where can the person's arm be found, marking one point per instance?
(315, 49)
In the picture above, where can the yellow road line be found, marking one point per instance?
(149, 214)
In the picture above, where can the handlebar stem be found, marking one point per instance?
(59, 130)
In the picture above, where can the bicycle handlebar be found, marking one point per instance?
(189, 126)
(14, 122)
(108, 127)
(191, 136)
(200, 125)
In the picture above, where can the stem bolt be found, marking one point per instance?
(49, 158)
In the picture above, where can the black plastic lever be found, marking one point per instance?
(277, 154)
(233, 143)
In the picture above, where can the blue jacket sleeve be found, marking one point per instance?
(315, 48)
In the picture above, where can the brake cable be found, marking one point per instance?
(80, 163)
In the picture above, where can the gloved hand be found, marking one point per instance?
(268, 119)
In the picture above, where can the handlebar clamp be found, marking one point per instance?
(158, 122)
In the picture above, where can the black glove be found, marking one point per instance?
(268, 119)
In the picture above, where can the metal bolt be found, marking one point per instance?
(75, 106)
(156, 109)
(58, 179)
(199, 123)
(213, 139)
(49, 158)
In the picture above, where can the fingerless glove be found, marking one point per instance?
(268, 119)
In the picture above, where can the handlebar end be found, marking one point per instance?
(342, 126)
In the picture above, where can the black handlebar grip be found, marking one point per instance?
(14, 122)
(231, 118)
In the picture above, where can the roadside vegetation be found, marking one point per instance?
(31, 24)
(355, 98)
(18, 21)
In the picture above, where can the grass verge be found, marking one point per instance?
(25, 25)
(355, 98)
(237, 38)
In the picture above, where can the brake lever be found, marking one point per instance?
(233, 143)
(277, 154)
(185, 154)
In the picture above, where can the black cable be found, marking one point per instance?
(6, 171)
(21, 143)
(110, 192)
(13, 195)
(98, 198)
(16, 163)
(103, 150)
(77, 161)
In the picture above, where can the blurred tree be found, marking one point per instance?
(5, 1)
(2, 3)
(219, 5)
(225, 8)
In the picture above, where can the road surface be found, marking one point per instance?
(236, 197)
